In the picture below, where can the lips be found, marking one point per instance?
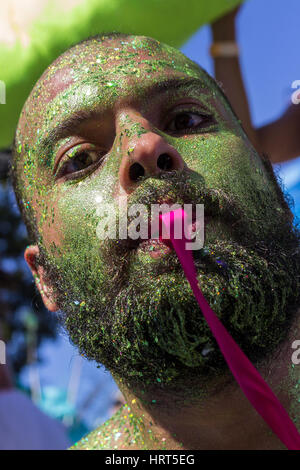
(156, 247)
(217, 206)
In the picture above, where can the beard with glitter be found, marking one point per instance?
(138, 316)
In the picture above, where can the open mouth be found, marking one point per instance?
(217, 209)
(155, 247)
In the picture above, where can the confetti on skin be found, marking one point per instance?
(121, 432)
(224, 170)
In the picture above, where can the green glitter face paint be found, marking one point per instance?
(80, 132)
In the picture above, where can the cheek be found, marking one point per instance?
(73, 208)
(216, 156)
(51, 227)
(79, 209)
(225, 161)
(46, 213)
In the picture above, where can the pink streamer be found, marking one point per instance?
(252, 384)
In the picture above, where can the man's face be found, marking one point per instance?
(134, 121)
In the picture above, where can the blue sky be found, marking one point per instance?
(268, 34)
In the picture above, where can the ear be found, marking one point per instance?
(38, 272)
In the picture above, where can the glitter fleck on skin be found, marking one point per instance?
(109, 98)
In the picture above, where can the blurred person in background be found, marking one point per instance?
(23, 426)
(280, 139)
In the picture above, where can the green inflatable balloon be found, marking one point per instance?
(34, 32)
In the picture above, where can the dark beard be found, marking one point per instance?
(144, 323)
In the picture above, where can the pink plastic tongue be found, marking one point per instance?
(254, 387)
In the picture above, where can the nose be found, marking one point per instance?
(149, 156)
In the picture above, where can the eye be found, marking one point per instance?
(78, 161)
(188, 120)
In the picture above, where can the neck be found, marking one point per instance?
(219, 417)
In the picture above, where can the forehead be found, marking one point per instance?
(116, 63)
(96, 74)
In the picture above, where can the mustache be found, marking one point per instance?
(174, 188)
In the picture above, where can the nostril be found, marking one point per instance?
(136, 171)
(164, 162)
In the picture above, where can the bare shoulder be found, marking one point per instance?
(118, 433)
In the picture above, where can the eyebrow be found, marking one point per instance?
(175, 84)
(67, 127)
